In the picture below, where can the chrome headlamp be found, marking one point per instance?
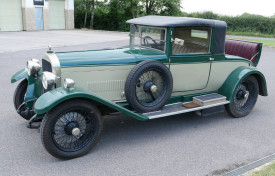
(33, 66)
(68, 83)
(49, 79)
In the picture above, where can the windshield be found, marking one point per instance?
(150, 37)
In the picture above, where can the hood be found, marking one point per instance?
(107, 56)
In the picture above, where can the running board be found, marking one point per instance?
(178, 108)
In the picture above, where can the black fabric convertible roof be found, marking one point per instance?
(169, 21)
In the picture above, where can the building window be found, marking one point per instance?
(38, 2)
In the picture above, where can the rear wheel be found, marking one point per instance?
(71, 129)
(18, 98)
(245, 98)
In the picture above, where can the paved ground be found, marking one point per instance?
(21, 41)
(178, 145)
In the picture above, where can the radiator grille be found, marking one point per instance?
(46, 65)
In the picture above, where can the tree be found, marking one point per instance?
(92, 13)
(162, 7)
(131, 5)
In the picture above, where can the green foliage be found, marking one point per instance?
(113, 14)
(248, 24)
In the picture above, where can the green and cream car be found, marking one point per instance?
(173, 65)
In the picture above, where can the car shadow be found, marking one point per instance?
(124, 130)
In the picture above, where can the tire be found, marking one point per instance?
(18, 97)
(58, 126)
(148, 86)
(241, 105)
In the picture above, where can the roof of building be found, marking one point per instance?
(169, 21)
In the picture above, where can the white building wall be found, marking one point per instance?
(69, 14)
(28, 10)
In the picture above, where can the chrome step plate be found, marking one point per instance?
(178, 108)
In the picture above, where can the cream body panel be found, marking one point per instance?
(219, 72)
(105, 81)
(190, 76)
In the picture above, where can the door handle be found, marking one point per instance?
(211, 59)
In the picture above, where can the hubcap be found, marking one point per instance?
(76, 131)
(246, 95)
(147, 86)
(240, 95)
(153, 88)
(70, 127)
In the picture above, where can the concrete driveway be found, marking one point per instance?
(179, 145)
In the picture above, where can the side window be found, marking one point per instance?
(191, 40)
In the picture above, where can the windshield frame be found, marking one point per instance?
(138, 34)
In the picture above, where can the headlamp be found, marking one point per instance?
(49, 79)
(33, 66)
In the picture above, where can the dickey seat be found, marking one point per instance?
(248, 50)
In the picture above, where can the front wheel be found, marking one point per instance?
(18, 98)
(245, 98)
(71, 129)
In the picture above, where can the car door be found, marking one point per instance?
(190, 61)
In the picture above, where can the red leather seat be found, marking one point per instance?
(248, 50)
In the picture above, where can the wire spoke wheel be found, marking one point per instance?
(71, 129)
(245, 97)
(144, 88)
(63, 134)
(148, 86)
(241, 97)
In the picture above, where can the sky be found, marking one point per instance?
(231, 7)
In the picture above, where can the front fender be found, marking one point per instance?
(34, 89)
(56, 96)
(23, 73)
(235, 78)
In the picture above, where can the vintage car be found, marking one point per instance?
(173, 65)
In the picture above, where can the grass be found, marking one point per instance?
(268, 170)
(265, 42)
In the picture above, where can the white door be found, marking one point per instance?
(57, 14)
(11, 15)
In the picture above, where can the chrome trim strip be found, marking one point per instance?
(184, 110)
(120, 101)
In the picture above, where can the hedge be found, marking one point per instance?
(114, 20)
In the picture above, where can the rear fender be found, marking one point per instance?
(54, 97)
(237, 76)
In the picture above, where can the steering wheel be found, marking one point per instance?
(146, 43)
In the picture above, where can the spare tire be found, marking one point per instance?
(148, 86)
